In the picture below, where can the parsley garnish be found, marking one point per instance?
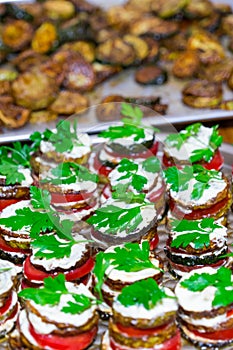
(145, 292)
(179, 179)
(113, 218)
(68, 173)
(197, 232)
(51, 293)
(40, 199)
(131, 257)
(13, 158)
(221, 280)
(5, 269)
(132, 125)
(177, 140)
(64, 138)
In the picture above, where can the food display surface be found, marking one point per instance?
(107, 76)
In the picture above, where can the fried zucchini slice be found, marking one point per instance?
(59, 9)
(223, 8)
(211, 23)
(151, 75)
(186, 65)
(218, 72)
(77, 29)
(17, 12)
(230, 81)
(104, 71)
(79, 74)
(153, 26)
(227, 25)
(13, 116)
(226, 105)
(153, 47)
(207, 47)
(202, 94)
(34, 89)
(7, 74)
(120, 16)
(85, 48)
(27, 59)
(170, 8)
(17, 34)
(116, 51)
(196, 9)
(140, 46)
(45, 38)
(140, 6)
(69, 102)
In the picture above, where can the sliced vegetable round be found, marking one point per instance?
(151, 75)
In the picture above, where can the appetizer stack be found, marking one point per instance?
(84, 242)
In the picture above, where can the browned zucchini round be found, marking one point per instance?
(58, 10)
(104, 71)
(223, 8)
(218, 72)
(186, 65)
(116, 51)
(202, 94)
(18, 12)
(68, 102)
(43, 116)
(151, 75)
(13, 116)
(154, 26)
(153, 54)
(17, 34)
(230, 81)
(169, 8)
(45, 38)
(84, 48)
(227, 24)
(198, 9)
(140, 46)
(211, 23)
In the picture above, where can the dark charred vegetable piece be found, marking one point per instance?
(211, 23)
(227, 25)
(196, 9)
(28, 59)
(2, 10)
(186, 65)
(209, 49)
(151, 75)
(17, 34)
(78, 31)
(116, 51)
(18, 13)
(34, 89)
(153, 26)
(13, 116)
(223, 8)
(45, 38)
(218, 72)
(202, 94)
(153, 47)
(59, 10)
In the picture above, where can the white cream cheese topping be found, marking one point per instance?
(6, 277)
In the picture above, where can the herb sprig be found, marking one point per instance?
(132, 125)
(197, 232)
(221, 280)
(51, 293)
(145, 292)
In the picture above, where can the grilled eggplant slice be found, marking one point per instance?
(151, 74)
(202, 94)
(186, 65)
(154, 26)
(45, 38)
(17, 34)
(116, 51)
(207, 46)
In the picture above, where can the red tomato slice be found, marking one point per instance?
(100, 168)
(6, 202)
(56, 342)
(199, 213)
(154, 242)
(172, 344)
(6, 248)
(64, 198)
(215, 163)
(222, 334)
(34, 274)
(6, 306)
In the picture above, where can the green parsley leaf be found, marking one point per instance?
(177, 140)
(144, 292)
(80, 304)
(35, 221)
(40, 199)
(49, 294)
(127, 197)
(49, 247)
(130, 169)
(178, 179)
(135, 114)
(152, 165)
(221, 280)
(116, 219)
(101, 265)
(5, 269)
(10, 170)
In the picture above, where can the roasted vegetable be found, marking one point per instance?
(153, 26)
(140, 47)
(17, 12)
(198, 9)
(151, 75)
(43, 116)
(86, 49)
(58, 9)
(104, 71)
(34, 89)
(227, 24)
(169, 8)
(13, 116)
(80, 30)
(116, 51)
(186, 65)
(17, 34)
(153, 46)
(28, 59)
(230, 81)
(218, 72)
(68, 102)
(45, 38)
(202, 94)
